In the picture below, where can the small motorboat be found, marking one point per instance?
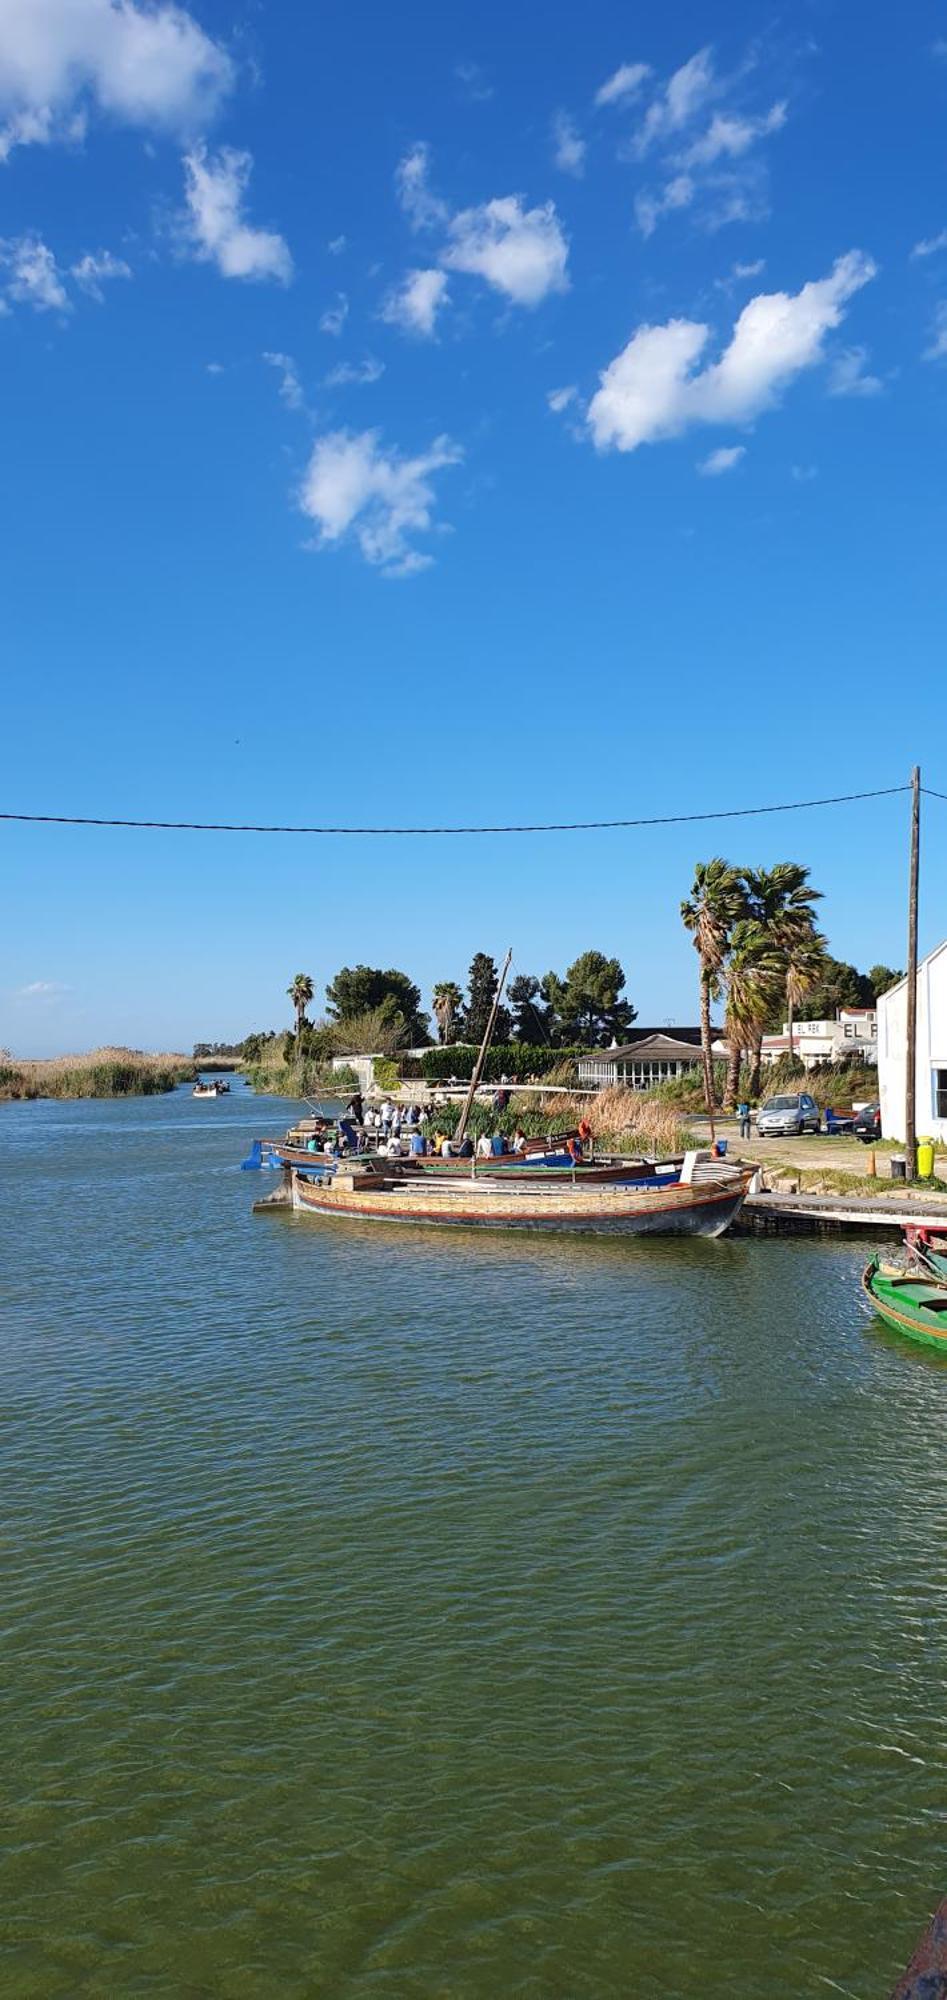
(210, 1089)
(909, 1302)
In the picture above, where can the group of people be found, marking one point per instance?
(396, 1132)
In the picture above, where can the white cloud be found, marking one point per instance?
(729, 136)
(356, 372)
(356, 488)
(723, 460)
(938, 347)
(43, 989)
(651, 389)
(218, 234)
(929, 245)
(520, 252)
(474, 81)
(415, 304)
(34, 276)
(649, 207)
(570, 147)
(336, 246)
(559, 399)
(424, 209)
(849, 377)
(95, 269)
(290, 387)
(334, 317)
(145, 65)
(624, 84)
(689, 89)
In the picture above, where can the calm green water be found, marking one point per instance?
(410, 1616)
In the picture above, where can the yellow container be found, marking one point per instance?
(925, 1159)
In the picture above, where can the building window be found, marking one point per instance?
(940, 1093)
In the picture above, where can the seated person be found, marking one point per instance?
(484, 1147)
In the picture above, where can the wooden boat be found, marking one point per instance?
(908, 1302)
(704, 1205)
(928, 1247)
(553, 1168)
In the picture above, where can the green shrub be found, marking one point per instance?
(520, 1059)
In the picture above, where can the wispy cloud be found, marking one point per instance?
(355, 373)
(215, 227)
(34, 278)
(654, 389)
(849, 375)
(97, 268)
(624, 85)
(938, 342)
(423, 208)
(414, 305)
(559, 399)
(334, 317)
(356, 489)
(336, 245)
(569, 145)
(290, 387)
(930, 245)
(713, 171)
(724, 459)
(474, 80)
(43, 989)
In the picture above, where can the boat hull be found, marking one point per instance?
(904, 1304)
(706, 1209)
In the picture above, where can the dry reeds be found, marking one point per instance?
(108, 1072)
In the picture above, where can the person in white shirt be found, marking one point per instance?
(483, 1147)
(393, 1148)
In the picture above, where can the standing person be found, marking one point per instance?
(355, 1108)
(743, 1113)
(387, 1114)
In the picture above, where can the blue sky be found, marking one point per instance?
(450, 415)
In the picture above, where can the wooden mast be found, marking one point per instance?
(485, 1044)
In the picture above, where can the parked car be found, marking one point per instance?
(867, 1124)
(784, 1117)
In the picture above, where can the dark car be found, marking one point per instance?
(867, 1124)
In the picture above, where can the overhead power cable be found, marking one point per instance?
(387, 832)
(933, 795)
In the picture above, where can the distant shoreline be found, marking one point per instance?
(109, 1072)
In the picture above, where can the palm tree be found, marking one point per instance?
(300, 993)
(755, 975)
(717, 902)
(446, 1001)
(781, 899)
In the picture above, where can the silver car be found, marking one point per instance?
(784, 1117)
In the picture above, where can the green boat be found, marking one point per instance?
(908, 1302)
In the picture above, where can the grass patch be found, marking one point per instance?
(101, 1073)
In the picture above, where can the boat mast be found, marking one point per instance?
(485, 1044)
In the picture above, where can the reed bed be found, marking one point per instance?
(108, 1072)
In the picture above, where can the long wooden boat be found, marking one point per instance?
(514, 1169)
(908, 1302)
(702, 1207)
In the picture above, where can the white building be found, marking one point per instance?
(652, 1058)
(930, 1074)
(854, 1032)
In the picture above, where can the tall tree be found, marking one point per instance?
(300, 993)
(446, 1002)
(716, 903)
(587, 1004)
(531, 1017)
(755, 974)
(359, 989)
(781, 899)
(482, 982)
(881, 978)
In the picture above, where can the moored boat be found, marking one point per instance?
(909, 1302)
(703, 1204)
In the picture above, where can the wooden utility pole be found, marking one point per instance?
(910, 1106)
(485, 1044)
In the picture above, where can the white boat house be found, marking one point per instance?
(652, 1057)
(930, 1075)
